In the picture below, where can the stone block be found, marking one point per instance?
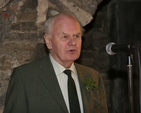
(27, 17)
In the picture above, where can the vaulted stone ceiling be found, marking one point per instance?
(82, 9)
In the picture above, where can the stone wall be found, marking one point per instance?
(21, 35)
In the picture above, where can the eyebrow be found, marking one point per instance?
(73, 34)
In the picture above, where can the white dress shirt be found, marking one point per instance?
(62, 80)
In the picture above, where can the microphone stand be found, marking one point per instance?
(111, 49)
(130, 82)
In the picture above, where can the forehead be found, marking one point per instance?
(66, 24)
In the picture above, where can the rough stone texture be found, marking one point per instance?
(3, 3)
(42, 9)
(83, 10)
(21, 35)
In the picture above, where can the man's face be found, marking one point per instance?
(65, 44)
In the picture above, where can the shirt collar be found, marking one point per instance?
(58, 68)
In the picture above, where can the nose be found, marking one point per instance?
(72, 41)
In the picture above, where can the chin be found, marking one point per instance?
(73, 59)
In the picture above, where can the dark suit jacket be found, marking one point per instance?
(34, 88)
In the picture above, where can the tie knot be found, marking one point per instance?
(67, 72)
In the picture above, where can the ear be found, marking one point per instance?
(48, 41)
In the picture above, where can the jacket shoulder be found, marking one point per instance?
(85, 68)
(31, 68)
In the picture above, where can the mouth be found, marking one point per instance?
(72, 51)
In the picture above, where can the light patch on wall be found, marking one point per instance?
(42, 9)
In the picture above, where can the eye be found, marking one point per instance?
(77, 36)
(65, 36)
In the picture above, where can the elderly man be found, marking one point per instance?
(56, 84)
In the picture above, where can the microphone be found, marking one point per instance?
(112, 48)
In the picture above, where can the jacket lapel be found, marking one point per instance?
(86, 95)
(49, 79)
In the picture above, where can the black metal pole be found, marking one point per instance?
(139, 66)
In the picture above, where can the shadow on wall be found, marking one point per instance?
(40, 52)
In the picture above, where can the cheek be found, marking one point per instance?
(58, 47)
